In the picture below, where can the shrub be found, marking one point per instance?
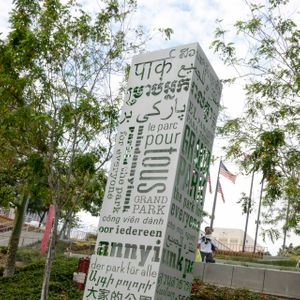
(27, 282)
(82, 247)
(205, 291)
(3, 249)
(91, 237)
(282, 263)
(28, 255)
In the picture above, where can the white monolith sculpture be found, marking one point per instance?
(149, 223)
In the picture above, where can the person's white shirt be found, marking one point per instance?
(206, 242)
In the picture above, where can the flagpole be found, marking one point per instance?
(248, 211)
(258, 214)
(215, 198)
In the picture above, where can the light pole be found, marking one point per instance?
(215, 198)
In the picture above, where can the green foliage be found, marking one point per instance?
(73, 246)
(201, 290)
(289, 251)
(290, 262)
(282, 263)
(26, 283)
(58, 109)
(86, 248)
(3, 249)
(84, 163)
(28, 256)
(58, 113)
(167, 32)
(244, 201)
(243, 258)
(57, 116)
(91, 237)
(266, 137)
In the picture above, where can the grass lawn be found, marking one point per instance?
(288, 262)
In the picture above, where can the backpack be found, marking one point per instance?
(213, 247)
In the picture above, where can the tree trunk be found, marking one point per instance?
(66, 225)
(62, 232)
(68, 234)
(15, 238)
(42, 218)
(50, 256)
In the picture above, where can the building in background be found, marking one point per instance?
(233, 239)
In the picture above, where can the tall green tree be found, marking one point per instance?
(64, 65)
(22, 131)
(266, 137)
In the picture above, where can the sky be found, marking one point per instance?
(194, 21)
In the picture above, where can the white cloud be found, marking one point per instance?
(5, 7)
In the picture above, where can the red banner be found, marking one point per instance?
(47, 231)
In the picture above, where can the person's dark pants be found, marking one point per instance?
(207, 257)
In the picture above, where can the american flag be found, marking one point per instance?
(209, 182)
(224, 171)
(220, 191)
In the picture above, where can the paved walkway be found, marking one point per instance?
(27, 237)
